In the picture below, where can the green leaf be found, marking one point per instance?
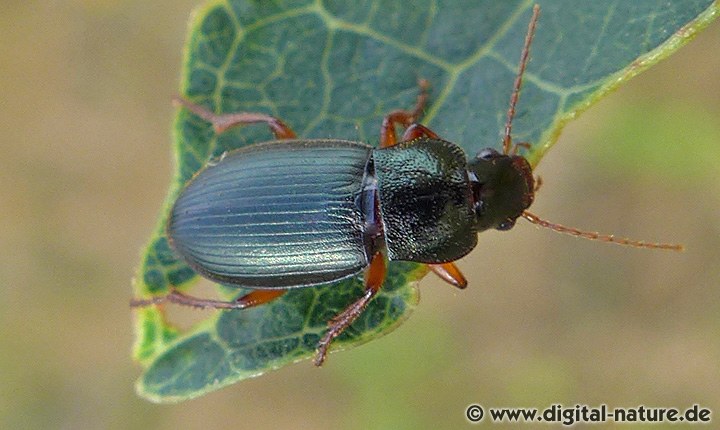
(333, 69)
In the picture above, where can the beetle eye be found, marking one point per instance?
(507, 225)
(487, 154)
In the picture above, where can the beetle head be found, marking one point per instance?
(503, 187)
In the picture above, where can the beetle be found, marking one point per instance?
(294, 213)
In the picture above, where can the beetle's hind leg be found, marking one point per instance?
(374, 278)
(222, 122)
(251, 299)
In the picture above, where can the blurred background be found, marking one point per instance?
(85, 161)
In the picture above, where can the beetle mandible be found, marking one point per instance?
(294, 213)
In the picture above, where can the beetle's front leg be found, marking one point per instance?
(418, 130)
(374, 278)
(449, 273)
(222, 122)
(388, 137)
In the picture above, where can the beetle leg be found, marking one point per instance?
(449, 273)
(253, 298)
(538, 183)
(222, 122)
(516, 147)
(388, 137)
(418, 130)
(374, 277)
(259, 297)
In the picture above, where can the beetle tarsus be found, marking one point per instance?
(374, 277)
(143, 303)
(422, 98)
(339, 323)
(222, 122)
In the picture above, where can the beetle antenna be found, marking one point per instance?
(597, 236)
(507, 140)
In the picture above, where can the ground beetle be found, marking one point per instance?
(295, 213)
